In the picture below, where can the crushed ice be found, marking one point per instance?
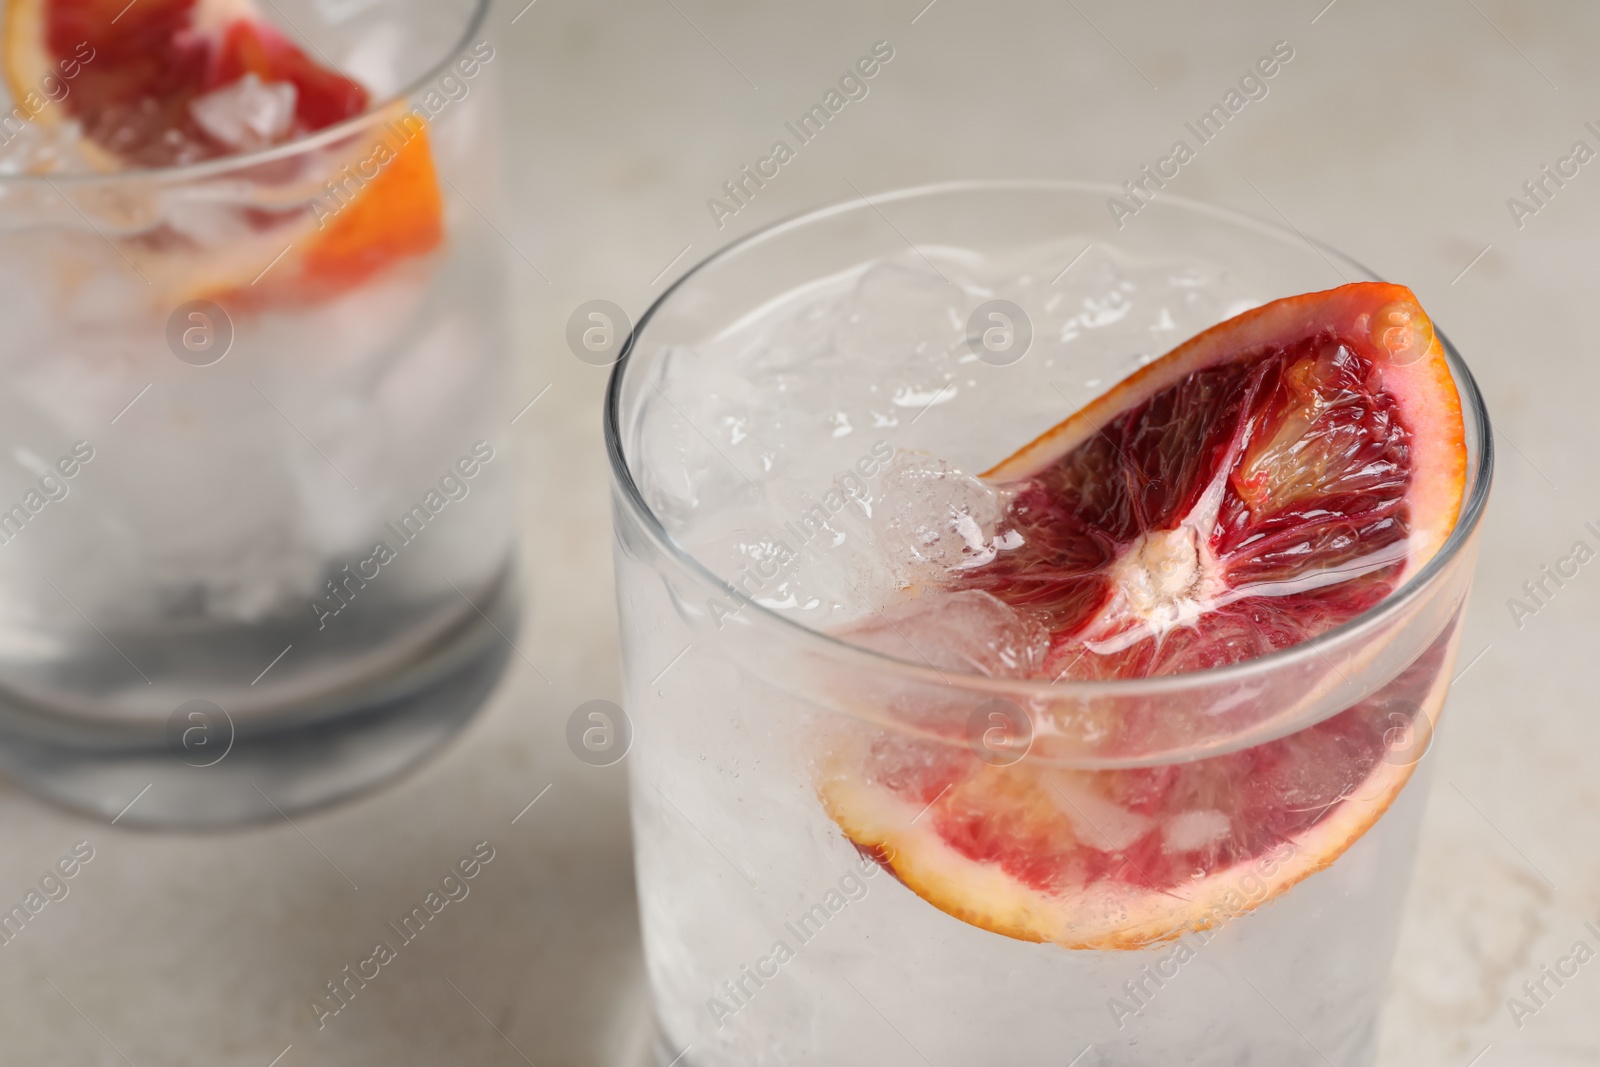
(247, 113)
(846, 420)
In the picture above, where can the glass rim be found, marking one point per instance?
(1474, 498)
(374, 113)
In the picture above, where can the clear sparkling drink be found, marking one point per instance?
(884, 811)
(254, 504)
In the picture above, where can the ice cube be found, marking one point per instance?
(857, 543)
(771, 430)
(246, 113)
(702, 406)
(32, 147)
(210, 224)
(933, 517)
(897, 311)
(968, 631)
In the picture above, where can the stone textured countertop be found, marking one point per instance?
(1397, 132)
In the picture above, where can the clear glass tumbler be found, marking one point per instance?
(770, 938)
(255, 521)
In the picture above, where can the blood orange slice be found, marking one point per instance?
(147, 77)
(397, 215)
(1264, 482)
(169, 82)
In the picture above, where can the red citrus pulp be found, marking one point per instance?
(159, 83)
(1267, 480)
(154, 60)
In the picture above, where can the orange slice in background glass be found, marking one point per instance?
(1262, 483)
(151, 85)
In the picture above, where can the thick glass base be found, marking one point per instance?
(208, 770)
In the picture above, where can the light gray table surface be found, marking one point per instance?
(1398, 133)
